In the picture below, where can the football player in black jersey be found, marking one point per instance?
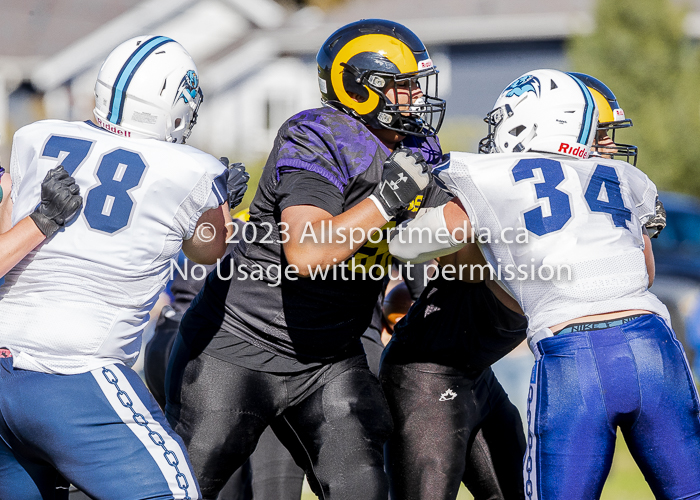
(273, 339)
(437, 369)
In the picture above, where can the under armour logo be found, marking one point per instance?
(430, 310)
(448, 395)
(395, 184)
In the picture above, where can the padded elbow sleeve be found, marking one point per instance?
(424, 238)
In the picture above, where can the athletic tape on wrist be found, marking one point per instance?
(380, 207)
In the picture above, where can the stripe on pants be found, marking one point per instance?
(164, 450)
(530, 461)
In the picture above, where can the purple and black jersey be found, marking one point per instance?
(325, 158)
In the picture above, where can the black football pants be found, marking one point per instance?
(271, 473)
(334, 420)
(451, 427)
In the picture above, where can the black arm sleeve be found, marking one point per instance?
(301, 187)
(415, 279)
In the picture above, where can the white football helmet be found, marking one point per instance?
(148, 87)
(543, 111)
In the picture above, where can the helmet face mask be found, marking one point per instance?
(421, 116)
(189, 93)
(544, 111)
(380, 73)
(614, 149)
(148, 88)
(493, 119)
(611, 119)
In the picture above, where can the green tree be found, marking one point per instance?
(640, 50)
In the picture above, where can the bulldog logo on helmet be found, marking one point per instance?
(527, 83)
(188, 87)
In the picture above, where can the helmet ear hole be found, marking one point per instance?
(517, 130)
(352, 86)
(178, 121)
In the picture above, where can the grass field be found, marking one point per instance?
(624, 483)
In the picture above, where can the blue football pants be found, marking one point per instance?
(102, 430)
(587, 384)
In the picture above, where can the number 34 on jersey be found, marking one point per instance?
(546, 194)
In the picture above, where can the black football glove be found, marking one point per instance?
(60, 201)
(236, 183)
(405, 175)
(656, 224)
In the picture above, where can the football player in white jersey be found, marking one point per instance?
(60, 202)
(74, 309)
(565, 236)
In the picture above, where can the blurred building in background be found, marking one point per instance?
(256, 57)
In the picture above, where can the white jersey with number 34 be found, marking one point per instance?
(564, 235)
(81, 299)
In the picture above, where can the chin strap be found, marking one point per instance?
(519, 147)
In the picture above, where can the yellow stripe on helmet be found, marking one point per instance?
(605, 112)
(393, 49)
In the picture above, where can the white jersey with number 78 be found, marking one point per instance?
(80, 300)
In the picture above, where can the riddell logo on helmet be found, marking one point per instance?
(579, 151)
(112, 128)
(425, 64)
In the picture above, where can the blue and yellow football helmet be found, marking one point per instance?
(611, 117)
(361, 61)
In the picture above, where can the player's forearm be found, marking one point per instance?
(16, 243)
(427, 237)
(211, 236)
(318, 239)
